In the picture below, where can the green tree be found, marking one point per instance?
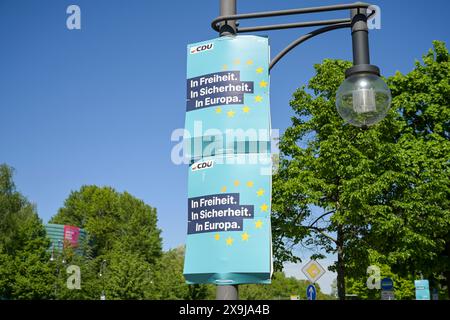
(24, 269)
(111, 218)
(91, 284)
(334, 288)
(127, 276)
(122, 232)
(358, 193)
(169, 282)
(420, 200)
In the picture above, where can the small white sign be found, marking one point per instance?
(387, 295)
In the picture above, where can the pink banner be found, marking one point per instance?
(71, 235)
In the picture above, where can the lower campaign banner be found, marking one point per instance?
(229, 232)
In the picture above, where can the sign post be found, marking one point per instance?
(227, 141)
(435, 294)
(313, 271)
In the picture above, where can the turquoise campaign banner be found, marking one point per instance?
(227, 88)
(229, 233)
(422, 289)
(227, 140)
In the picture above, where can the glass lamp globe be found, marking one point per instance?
(363, 99)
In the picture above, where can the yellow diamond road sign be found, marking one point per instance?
(313, 271)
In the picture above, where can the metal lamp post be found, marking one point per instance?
(101, 275)
(52, 257)
(362, 100)
(55, 258)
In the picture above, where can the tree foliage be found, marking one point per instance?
(169, 281)
(113, 219)
(123, 240)
(24, 271)
(369, 196)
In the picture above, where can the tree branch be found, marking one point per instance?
(323, 215)
(321, 231)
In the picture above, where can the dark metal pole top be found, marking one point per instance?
(227, 27)
(360, 44)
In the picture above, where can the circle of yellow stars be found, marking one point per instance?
(258, 223)
(230, 114)
(257, 99)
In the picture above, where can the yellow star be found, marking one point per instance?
(258, 98)
(264, 207)
(229, 241)
(249, 184)
(259, 70)
(236, 183)
(245, 236)
(225, 67)
(258, 224)
(246, 109)
(219, 110)
(263, 84)
(217, 236)
(260, 192)
(249, 61)
(224, 189)
(230, 114)
(237, 61)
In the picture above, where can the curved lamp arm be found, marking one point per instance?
(217, 23)
(305, 37)
(226, 23)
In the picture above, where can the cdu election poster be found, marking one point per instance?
(227, 140)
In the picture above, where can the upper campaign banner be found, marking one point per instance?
(227, 88)
(228, 144)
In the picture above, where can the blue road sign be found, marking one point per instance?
(311, 292)
(387, 284)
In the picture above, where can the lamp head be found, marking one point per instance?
(363, 99)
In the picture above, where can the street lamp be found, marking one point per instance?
(101, 275)
(52, 257)
(55, 258)
(362, 100)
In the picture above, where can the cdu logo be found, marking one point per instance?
(202, 165)
(201, 48)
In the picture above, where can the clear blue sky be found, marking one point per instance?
(98, 105)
